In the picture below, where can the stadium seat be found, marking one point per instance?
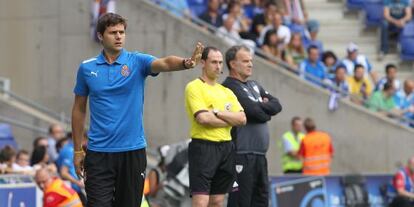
(6, 136)
(354, 4)
(197, 6)
(373, 12)
(407, 49)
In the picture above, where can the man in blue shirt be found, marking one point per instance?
(312, 69)
(114, 81)
(397, 13)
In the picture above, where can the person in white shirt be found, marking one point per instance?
(22, 164)
(283, 32)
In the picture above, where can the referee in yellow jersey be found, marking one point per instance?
(212, 110)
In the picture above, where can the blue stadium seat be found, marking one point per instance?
(354, 4)
(6, 136)
(373, 12)
(197, 6)
(408, 30)
(407, 49)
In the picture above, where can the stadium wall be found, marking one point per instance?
(46, 40)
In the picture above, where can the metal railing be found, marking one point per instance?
(279, 62)
(23, 125)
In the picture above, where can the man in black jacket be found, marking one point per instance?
(252, 140)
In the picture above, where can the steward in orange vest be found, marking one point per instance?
(55, 192)
(316, 151)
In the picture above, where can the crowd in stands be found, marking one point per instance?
(284, 31)
(51, 164)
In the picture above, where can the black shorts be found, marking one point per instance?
(252, 180)
(211, 167)
(115, 179)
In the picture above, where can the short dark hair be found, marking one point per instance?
(358, 66)
(388, 67)
(268, 34)
(312, 47)
(339, 67)
(206, 51)
(109, 19)
(387, 86)
(232, 52)
(22, 152)
(295, 119)
(309, 125)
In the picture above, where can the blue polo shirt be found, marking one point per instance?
(66, 159)
(116, 100)
(308, 70)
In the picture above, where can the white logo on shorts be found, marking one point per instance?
(143, 175)
(239, 168)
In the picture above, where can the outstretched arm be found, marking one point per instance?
(174, 63)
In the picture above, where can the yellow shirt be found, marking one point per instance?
(355, 87)
(199, 97)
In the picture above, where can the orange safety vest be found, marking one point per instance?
(59, 187)
(317, 153)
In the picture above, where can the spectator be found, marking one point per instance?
(291, 142)
(55, 191)
(40, 141)
(316, 150)
(359, 86)
(212, 14)
(231, 36)
(390, 76)
(396, 15)
(262, 20)
(253, 7)
(404, 99)
(40, 159)
(179, 8)
(339, 81)
(382, 101)
(241, 23)
(312, 69)
(402, 187)
(270, 45)
(295, 52)
(330, 62)
(61, 143)
(7, 158)
(313, 28)
(253, 138)
(56, 133)
(283, 32)
(67, 171)
(354, 58)
(22, 164)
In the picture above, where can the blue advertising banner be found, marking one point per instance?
(17, 191)
(300, 191)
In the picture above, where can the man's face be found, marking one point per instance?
(340, 74)
(359, 73)
(43, 142)
(392, 73)
(42, 179)
(297, 126)
(277, 19)
(270, 10)
(353, 55)
(58, 132)
(314, 55)
(213, 64)
(243, 64)
(214, 5)
(23, 160)
(113, 39)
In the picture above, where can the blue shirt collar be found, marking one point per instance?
(122, 58)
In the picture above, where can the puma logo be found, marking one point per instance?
(94, 73)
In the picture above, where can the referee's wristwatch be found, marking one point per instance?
(215, 112)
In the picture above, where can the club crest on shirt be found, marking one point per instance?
(239, 168)
(125, 71)
(227, 106)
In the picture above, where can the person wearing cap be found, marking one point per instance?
(353, 57)
(397, 13)
(402, 188)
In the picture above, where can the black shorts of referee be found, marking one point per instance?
(211, 167)
(115, 179)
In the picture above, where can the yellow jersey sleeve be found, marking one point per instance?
(194, 99)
